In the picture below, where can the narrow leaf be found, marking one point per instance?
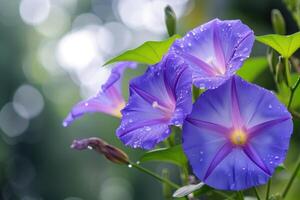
(186, 190)
(150, 52)
(284, 45)
(172, 155)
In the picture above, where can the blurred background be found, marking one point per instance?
(51, 52)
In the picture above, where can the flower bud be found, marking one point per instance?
(272, 59)
(278, 22)
(170, 20)
(112, 153)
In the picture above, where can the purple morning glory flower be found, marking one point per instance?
(215, 51)
(159, 98)
(109, 100)
(236, 135)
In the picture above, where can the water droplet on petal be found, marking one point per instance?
(89, 147)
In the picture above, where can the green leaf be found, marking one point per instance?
(172, 155)
(284, 45)
(252, 68)
(187, 189)
(150, 52)
(280, 167)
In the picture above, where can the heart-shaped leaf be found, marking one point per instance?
(172, 155)
(285, 45)
(150, 52)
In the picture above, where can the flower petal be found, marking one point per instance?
(212, 124)
(159, 98)
(109, 102)
(215, 51)
(116, 73)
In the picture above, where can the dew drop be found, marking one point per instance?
(86, 104)
(202, 86)
(276, 157)
(130, 166)
(270, 106)
(89, 147)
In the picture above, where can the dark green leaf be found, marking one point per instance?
(285, 45)
(150, 52)
(252, 68)
(173, 155)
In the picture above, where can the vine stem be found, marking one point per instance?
(289, 184)
(154, 175)
(268, 189)
(256, 193)
(295, 114)
(240, 195)
(293, 89)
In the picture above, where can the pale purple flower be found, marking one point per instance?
(158, 99)
(236, 135)
(109, 99)
(215, 51)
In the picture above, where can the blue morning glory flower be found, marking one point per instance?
(109, 100)
(158, 99)
(236, 135)
(215, 51)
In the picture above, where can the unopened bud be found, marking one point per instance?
(272, 59)
(170, 20)
(112, 153)
(278, 22)
(279, 70)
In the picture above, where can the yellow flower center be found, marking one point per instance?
(117, 110)
(238, 137)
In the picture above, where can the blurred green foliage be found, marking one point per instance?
(38, 164)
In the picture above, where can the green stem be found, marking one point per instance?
(240, 195)
(156, 176)
(268, 189)
(287, 71)
(295, 114)
(184, 175)
(289, 184)
(256, 193)
(293, 89)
